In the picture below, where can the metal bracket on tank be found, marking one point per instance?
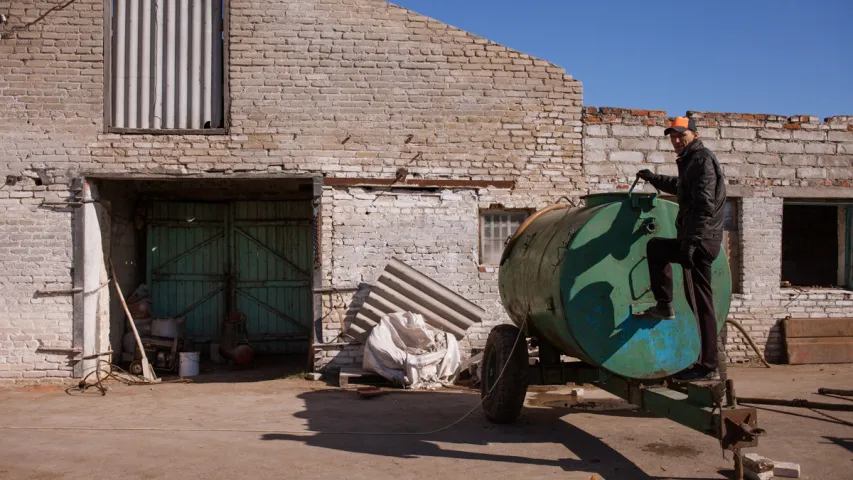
(644, 202)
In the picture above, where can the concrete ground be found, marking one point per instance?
(260, 425)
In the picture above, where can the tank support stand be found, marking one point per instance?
(696, 405)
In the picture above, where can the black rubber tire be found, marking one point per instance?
(506, 400)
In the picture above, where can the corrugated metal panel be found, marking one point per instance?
(273, 259)
(401, 288)
(187, 256)
(167, 64)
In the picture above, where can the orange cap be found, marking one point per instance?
(681, 124)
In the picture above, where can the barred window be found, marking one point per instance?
(731, 242)
(496, 226)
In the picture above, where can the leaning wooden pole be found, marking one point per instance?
(147, 371)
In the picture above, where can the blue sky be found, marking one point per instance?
(784, 57)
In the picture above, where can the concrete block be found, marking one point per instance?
(729, 158)
(313, 376)
(813, 147)
(601, 143)
(757, 463)
(662, 157)
(597, 130)
(764, 159)
(799, 160)
(785, 147)
(655, 132)
(774, 134)
(807, 172)
(774, 172)
(719, 145)
(638, 144)
(595, 156)
(626, 157)
(750, 146)
(738, 133)
(786, 470)
(841, 136)
(629, 131)
(814, 135)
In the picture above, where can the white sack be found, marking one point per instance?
(411, 354)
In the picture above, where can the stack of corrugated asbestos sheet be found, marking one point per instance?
(401, 288)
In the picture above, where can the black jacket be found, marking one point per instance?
(701, 190)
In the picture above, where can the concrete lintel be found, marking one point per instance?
(202, 176)
(813, 192)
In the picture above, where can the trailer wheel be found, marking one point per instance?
(504, 403)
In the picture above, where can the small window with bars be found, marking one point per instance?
(496, 226)
(732, 243)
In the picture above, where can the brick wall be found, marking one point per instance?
(765, 158)
(754, 149)
(346, 88)
(359, 88)
(434, 232)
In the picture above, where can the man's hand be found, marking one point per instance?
(645, 174)
(685, 256)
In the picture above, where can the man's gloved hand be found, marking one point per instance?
(645, 174)
(685, 256)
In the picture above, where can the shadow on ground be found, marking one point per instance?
(408, 425)
(264, 368)
(846, 443)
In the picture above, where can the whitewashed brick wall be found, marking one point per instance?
(344, 88)
(357, 88)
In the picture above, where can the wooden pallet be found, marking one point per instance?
(357, 375)
(818, 340)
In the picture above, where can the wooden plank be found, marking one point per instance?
(802, 351)
(418, 182)
(818, 327)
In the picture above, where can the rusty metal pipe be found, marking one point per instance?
(798, 402)
(748, 339)
(833, 391)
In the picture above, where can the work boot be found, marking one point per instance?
(661, 310)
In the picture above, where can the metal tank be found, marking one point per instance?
(577, 278)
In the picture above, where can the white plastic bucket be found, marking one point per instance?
(189, 364)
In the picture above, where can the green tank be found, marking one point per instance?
(577, 278)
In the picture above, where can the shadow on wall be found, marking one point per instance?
(776, 339)
(474, 438)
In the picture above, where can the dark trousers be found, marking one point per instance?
(662, 252)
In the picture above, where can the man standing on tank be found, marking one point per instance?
(701, 190)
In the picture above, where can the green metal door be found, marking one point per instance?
(187, 264)
(208, 259)
(273, 258)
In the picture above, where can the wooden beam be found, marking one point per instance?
(802, 351)
(418, 182)
(818, 340)
(818, 327)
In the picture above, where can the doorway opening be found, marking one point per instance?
(224, 267)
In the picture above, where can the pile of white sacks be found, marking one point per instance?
(404, 349)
